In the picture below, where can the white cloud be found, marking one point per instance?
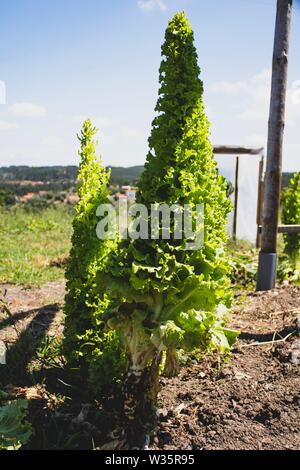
(130, 133)
(104, 121)
(50, 141)
(241, 112)
(295, 91)
(78, 119)
(251, 97)
(7, 126)
(27, 110)
(2, 92)
(292, 108)
(98, 121)
(231, 88)
(255, 140)
(149, 5)
(261, 80)
(110, 129)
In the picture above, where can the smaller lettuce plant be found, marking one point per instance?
(86, 342)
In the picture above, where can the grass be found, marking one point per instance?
(244, 261)
(34, 244)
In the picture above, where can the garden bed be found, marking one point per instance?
(253, 400)
(249, 400)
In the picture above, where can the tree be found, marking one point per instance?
(165, 297)
(86, 342)
(7, 198)
(291, 216)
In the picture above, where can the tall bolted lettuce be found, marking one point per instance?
(86, 341)
(165, 297)
(290, 216)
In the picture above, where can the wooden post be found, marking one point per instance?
(236, 198)
(268, 258)
(286, 228)
(259, 200)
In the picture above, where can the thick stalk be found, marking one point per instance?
(140, 398)
(172, 363)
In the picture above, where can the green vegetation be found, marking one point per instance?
(121, 175)
(15, 431)
(244, 263)
(288, 266)
(38, 173)
(286, 179)
(290, 216)
(54, 178)
(165, 297)
(135, 308)
(34, 245)
(61, 178)
(7, 198)
(85, 340)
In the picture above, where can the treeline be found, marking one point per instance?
(66, 175)
(19, 190)
(39, 173)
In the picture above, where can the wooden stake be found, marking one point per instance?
(276, 127)
(266, 274)
(236, 197)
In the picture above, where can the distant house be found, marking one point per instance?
(30, 183)
(131, 194)
(27, 197)
(72, 199)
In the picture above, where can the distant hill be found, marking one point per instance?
(119, 175)
(38, 173)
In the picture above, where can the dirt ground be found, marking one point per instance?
(250, 400)
(253, 401)
(37, 310)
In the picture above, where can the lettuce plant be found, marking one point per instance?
(165, 298)
(290, 216)
(15, 430)
(86, 341)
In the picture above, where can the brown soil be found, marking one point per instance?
(250, 400)
(34, 309)
(253, 400)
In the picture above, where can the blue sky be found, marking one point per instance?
(64, 60)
